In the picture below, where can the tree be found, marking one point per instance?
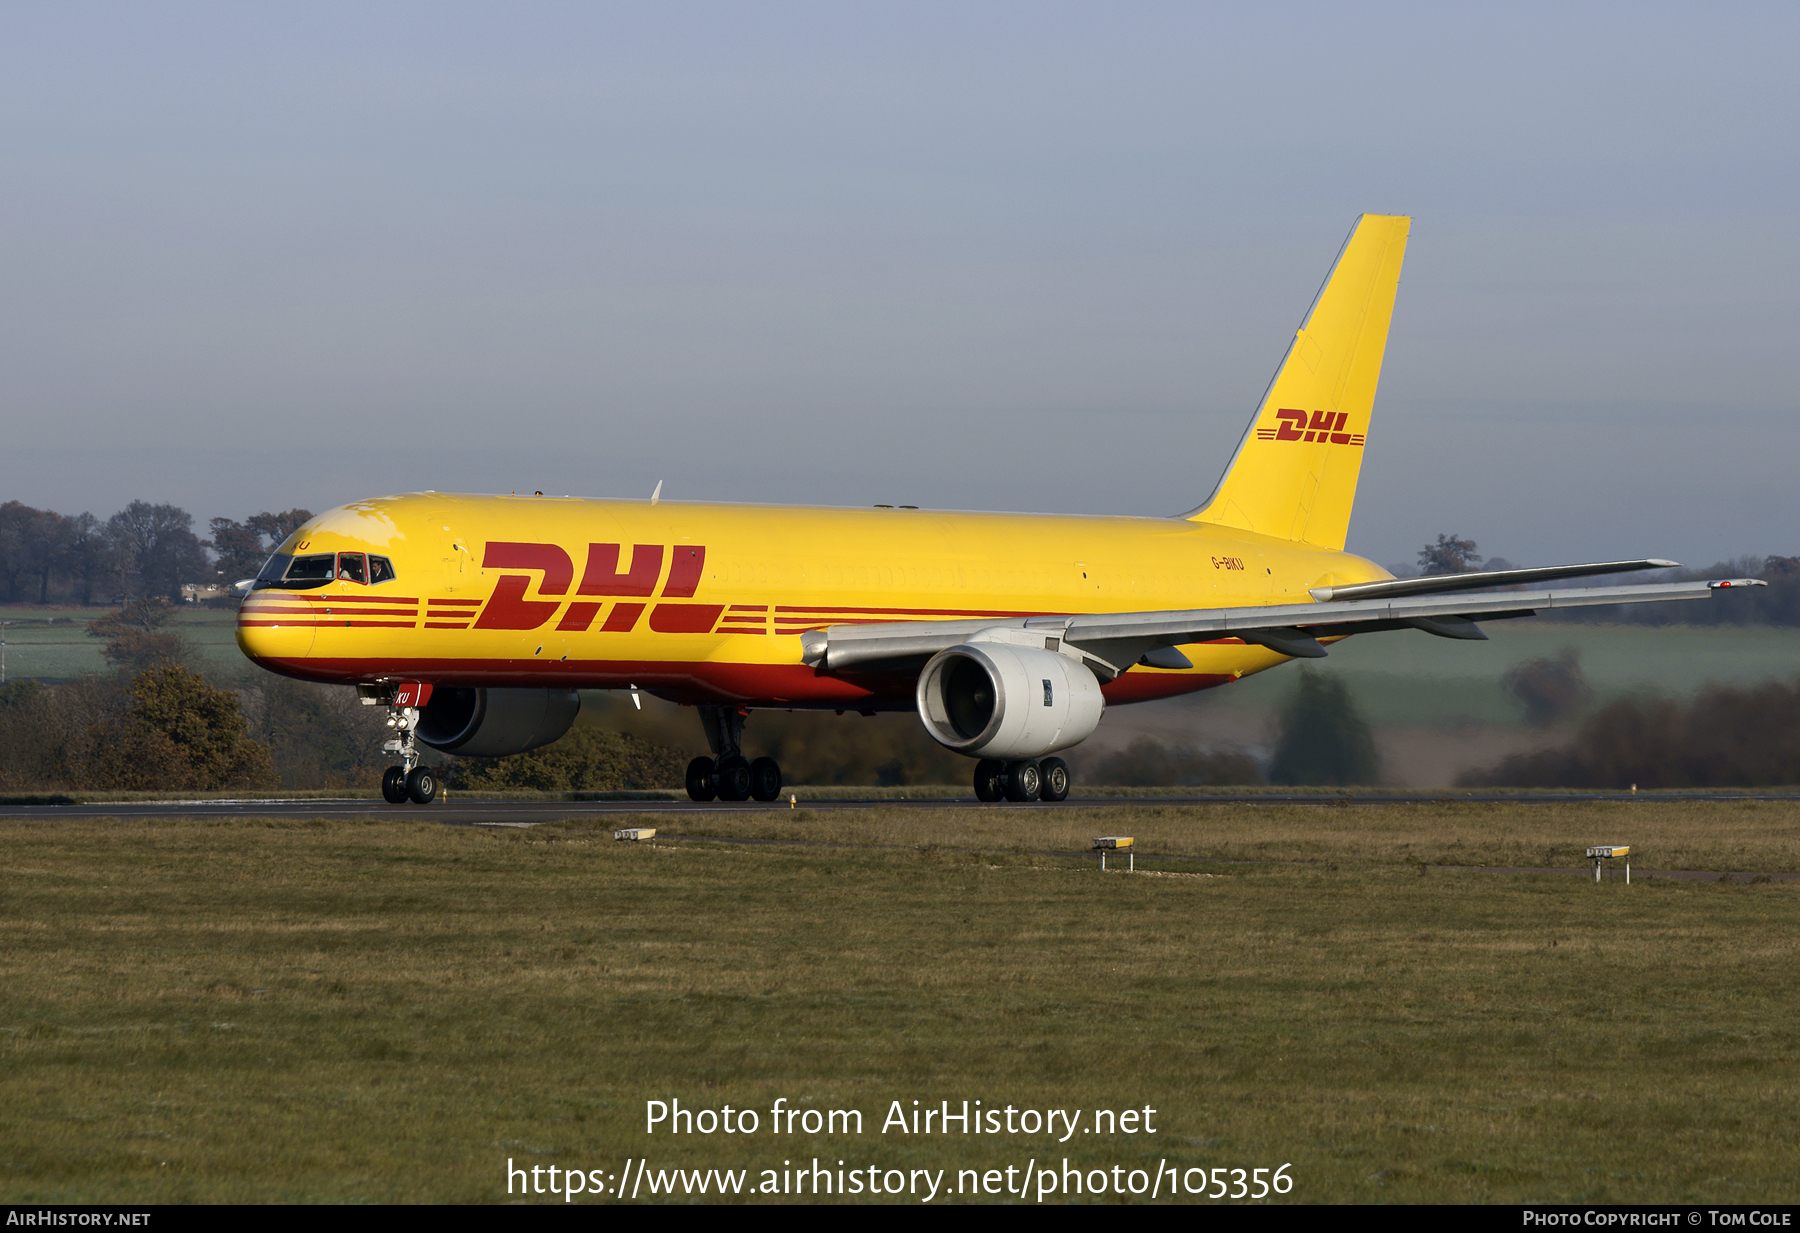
(587, 759)
(242, 547)
(186, 734)
(1550, 689)
(1324, 738)
(135, 639)
(88, 556)
(1147, 762)
(1449, 555)
(238, 550)
(318, 735)
(16, 519)
(1726, 737)
(157, 549)
(277, 527)
(36, 546)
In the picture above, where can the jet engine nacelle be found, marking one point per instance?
(489, 723)
(997, 700)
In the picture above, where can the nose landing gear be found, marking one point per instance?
(408, 781)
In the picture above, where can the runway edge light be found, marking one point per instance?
(1610, 851)
(1116, 843)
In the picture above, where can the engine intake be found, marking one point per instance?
(996, 700)
(491, 723)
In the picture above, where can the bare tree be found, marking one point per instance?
(157, 549)
(242, 547)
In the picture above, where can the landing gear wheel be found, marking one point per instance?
(733, 776)
(990, 780)
(421, 785)
(765, 779)
(1054, 775)
(393, 785)
(700, 783)
(1023, 781)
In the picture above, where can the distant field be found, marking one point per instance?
(52, 644)
(1415, 679)
(393, 1010)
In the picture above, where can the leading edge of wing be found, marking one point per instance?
(867, 646)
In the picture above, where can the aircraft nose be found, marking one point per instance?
(273, 626)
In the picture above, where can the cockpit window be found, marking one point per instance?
(304, 573)
(313, 570)
(297, 573)
(273, 571)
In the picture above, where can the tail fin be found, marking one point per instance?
(1294, 473)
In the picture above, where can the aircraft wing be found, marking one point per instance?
(1433, 584)
(1112, 642)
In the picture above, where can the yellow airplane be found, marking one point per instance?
(475, 619)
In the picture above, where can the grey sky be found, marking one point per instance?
(1001, 257)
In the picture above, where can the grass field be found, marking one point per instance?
(391, 1010)
(51, 644)
(1401, 678)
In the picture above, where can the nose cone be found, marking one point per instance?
(275, 628)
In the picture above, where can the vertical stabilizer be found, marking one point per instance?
(1294, 473)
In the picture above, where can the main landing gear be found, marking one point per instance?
(409, 781)
(728, 775)
(1025, 780)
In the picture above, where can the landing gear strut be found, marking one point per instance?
(408, 781)
(728, 775)
(1025, 780)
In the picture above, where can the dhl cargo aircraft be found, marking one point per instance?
(475, 619)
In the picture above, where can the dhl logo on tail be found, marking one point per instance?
(1324, 426)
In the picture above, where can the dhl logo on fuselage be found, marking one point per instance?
(508, 608)
(1323, 426)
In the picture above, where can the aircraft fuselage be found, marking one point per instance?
(706, 603)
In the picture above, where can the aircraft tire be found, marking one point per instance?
(990, 780)
(421, 785)
(701, 786)
(1054, 773)
(765, 779)
(733, 777)
(1023, 781)
(393, 785)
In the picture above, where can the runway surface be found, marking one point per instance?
(474, 812)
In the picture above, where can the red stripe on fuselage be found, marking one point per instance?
(756, 685)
